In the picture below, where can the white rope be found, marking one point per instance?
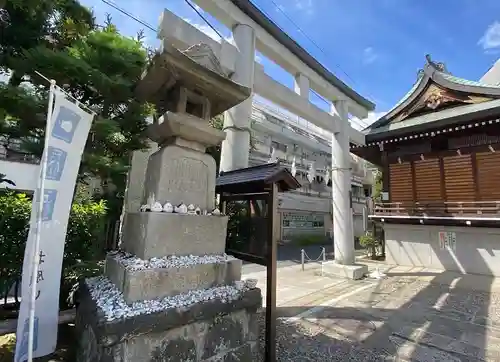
(313, 260)
(304, 258)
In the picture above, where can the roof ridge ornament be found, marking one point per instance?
(203, 54)
(439, 66)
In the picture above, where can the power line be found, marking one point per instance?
(308, 37)
(357, 121)
(280, 9)
(204, 19)
(312, 90)
(142, 22)
(125, 12)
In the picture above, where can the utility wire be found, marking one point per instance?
(204, 19)
(308, 37)
(142, 22)
(125, 12)
(357, 121)
(280, 9)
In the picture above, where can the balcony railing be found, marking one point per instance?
(476, 209)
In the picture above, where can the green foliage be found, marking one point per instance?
(83, 248)
(370, 243)
(311, 239)
(96, 65)
(15, 213)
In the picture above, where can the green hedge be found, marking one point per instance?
(84, 241)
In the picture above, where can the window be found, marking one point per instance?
(278, 146)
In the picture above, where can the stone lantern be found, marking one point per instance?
(171, 293)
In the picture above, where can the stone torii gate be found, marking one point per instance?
(251, 31)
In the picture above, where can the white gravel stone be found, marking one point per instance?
(131, 262)
(110, 300)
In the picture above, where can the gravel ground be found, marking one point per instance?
(303, 341)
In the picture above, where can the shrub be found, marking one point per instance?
(311, 239)
(84, 246)
(369, 242)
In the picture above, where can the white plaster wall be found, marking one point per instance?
(477, 249)
(291, 201)
(358, 225)
(25, 175)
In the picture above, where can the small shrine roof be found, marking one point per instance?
(250, 178)
(197, 69)
(437, 95)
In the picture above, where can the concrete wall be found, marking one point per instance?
(25, 175)
(476, 250)
(320, 208)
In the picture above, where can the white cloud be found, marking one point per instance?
(205, 29)
(304, 5)
(360, 124)
(491, 38)
(369, 55)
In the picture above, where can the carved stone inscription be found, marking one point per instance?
(178, 175)
(190, 176)
(186, 180)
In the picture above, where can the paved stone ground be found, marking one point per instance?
(412, 315)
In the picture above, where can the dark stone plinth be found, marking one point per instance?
(205, 331)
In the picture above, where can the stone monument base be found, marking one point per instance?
(165, 281)
(355, 272)
(218, 329)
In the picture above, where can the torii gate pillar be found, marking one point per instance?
(236, 147)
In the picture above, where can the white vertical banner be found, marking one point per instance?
(69, 129)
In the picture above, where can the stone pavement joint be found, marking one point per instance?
(414, 314)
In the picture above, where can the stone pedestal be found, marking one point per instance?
(170, 293)
(215, 330)
(334, 269)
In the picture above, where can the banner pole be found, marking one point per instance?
(40, 195)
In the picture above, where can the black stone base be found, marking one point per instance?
(206, 331)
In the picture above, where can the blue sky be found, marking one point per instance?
(375, 46)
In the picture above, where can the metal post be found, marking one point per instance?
(324, 254)
(270, 334)
(302, 258)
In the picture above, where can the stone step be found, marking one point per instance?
(152, 283)
(158, 234)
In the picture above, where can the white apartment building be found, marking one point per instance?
(277, 135)
(308, 210)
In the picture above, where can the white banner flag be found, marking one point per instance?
(69, 129)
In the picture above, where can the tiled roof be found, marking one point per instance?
(463, 81)
(438, 73)
(409, 93)
(266, 173)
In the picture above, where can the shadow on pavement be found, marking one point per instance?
(427, 316)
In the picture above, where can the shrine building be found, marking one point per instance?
(439, 151)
